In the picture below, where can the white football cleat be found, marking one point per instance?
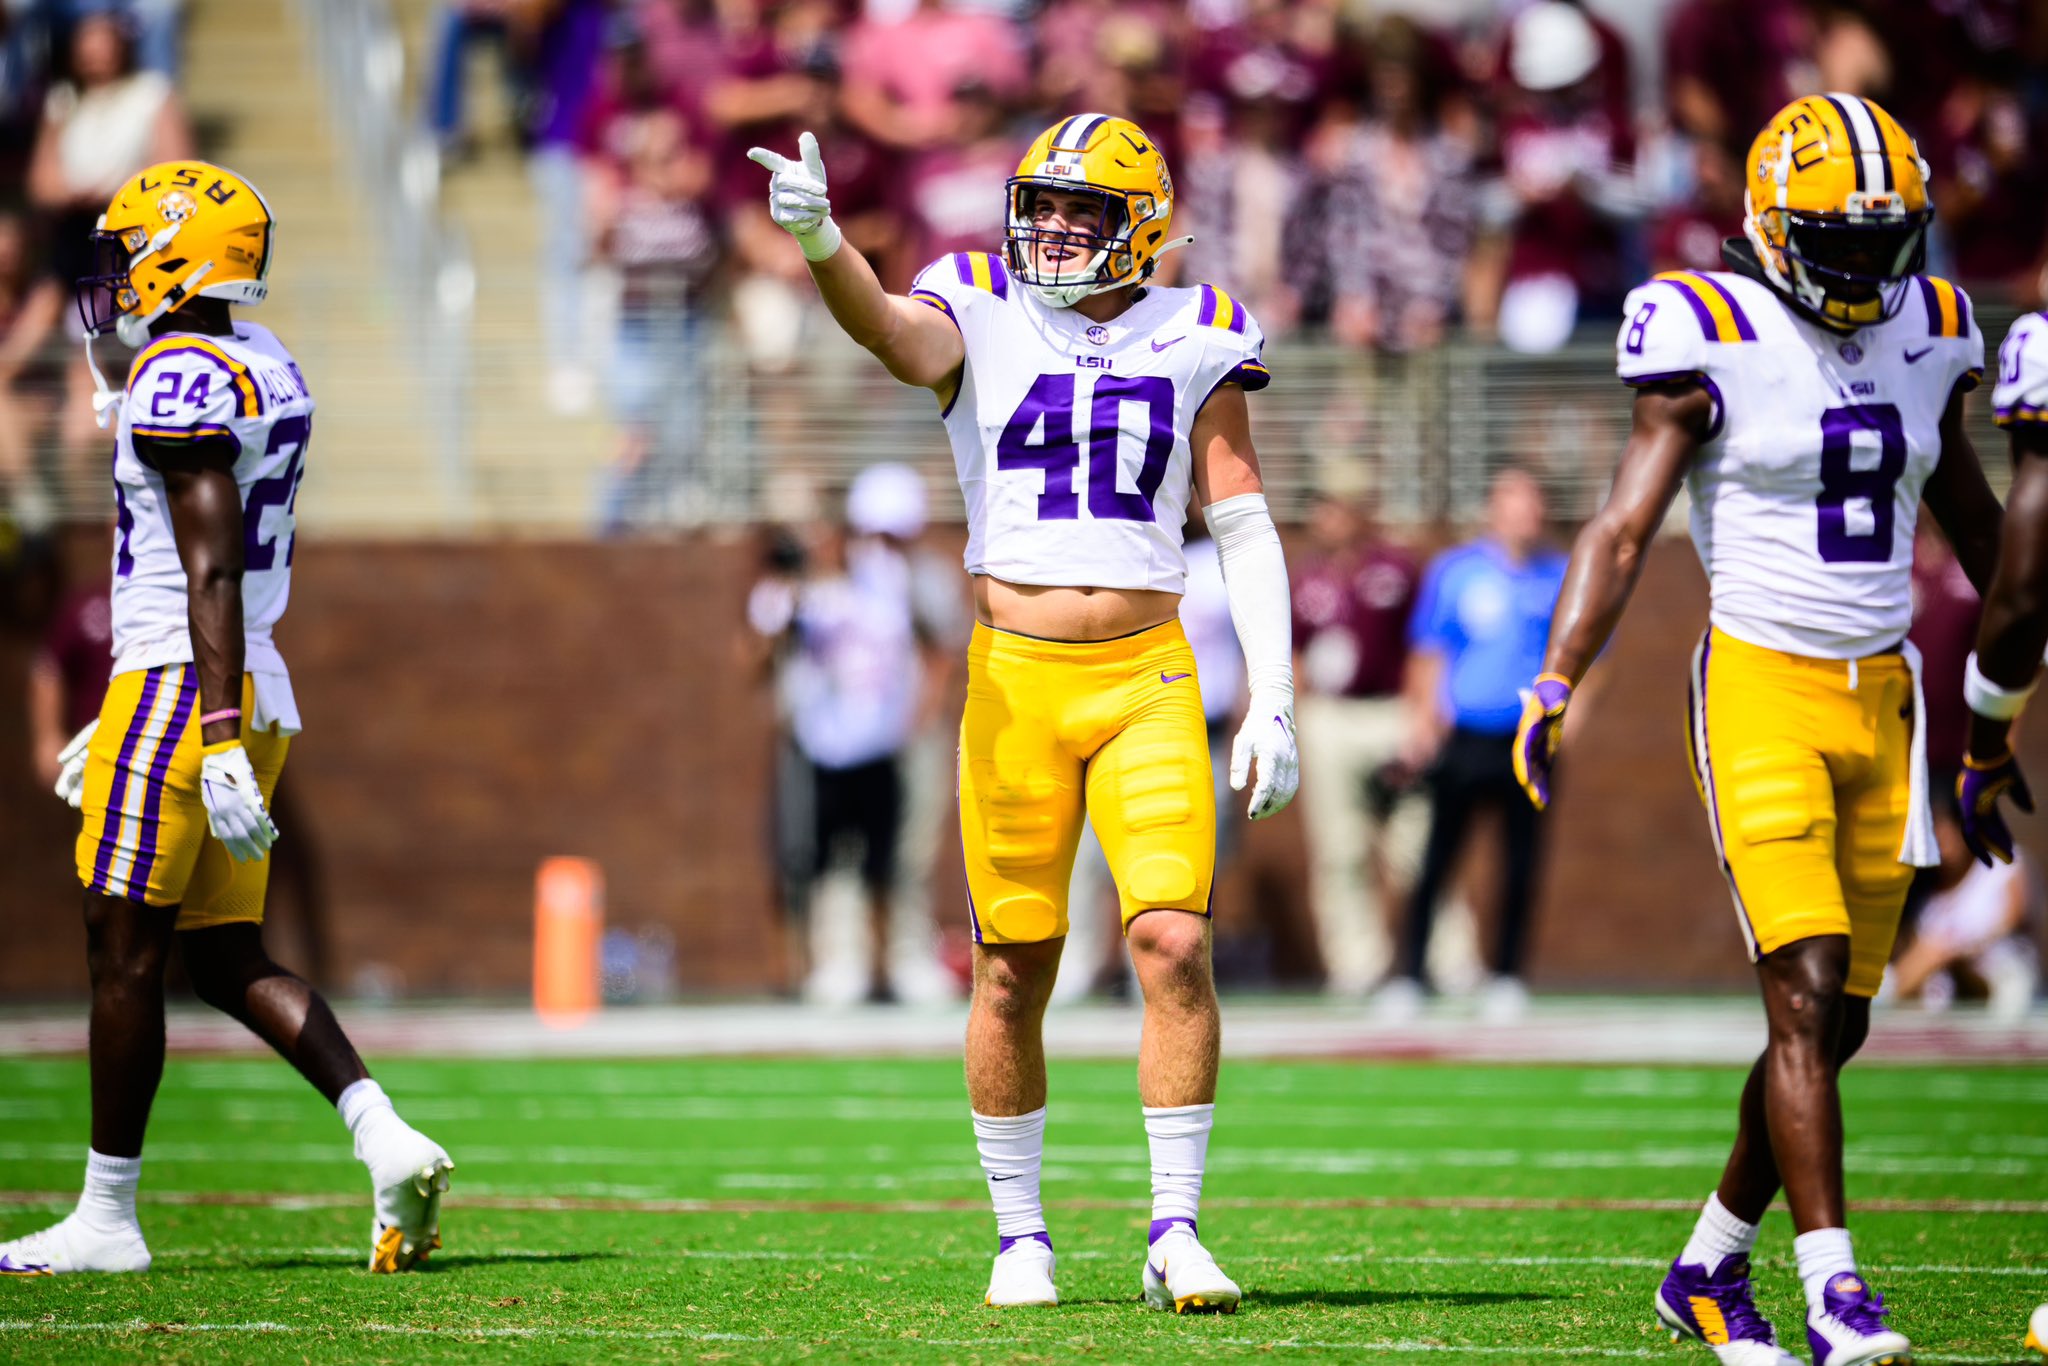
(1180, 1275)
(410, 1180)
(1023, 1274)
(74, 1245)
(1849, 1328)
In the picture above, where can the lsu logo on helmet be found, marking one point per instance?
(179, 230)
(1112, 160)
(1837, 208)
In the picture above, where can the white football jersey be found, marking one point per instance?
(1070, 437)
(1806, 495)
(2021, 395)
(183, 387)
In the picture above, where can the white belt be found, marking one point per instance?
(1919, 848)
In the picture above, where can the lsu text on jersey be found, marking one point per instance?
(1071, 442)
(1806, 732)
(145, 835)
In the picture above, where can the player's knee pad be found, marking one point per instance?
(1020, 917)
(1163, 878)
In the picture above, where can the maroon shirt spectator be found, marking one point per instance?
(67, 677)
(1945, 612)
(1280, 56)
(1688, 236)
(1351, 619)
(1994, 197)
(953, 197)
(1384, 230)
(78, 649)
(1731, 64)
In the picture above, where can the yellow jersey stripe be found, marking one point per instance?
(1718, 313)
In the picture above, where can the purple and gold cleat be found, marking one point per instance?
(1849, 1329)
(1717, 1308)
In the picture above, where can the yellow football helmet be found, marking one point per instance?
(1838, 208)
(1110, 159)
(180, 230)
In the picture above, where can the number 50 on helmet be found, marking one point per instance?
(180, 230)
(1108, 160)
(1838, 208)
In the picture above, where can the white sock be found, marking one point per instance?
(1012, 1151)
(1718, 1236)
(1179, 1139)
(1823, 1254)
(108, 1201)
(370, 1117)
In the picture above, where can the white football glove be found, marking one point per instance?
(71, 765)
(1268, 737)
(796, 197)
(234, 803)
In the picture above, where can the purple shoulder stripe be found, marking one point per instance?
(998, 277)
(1206, 317)
(1699, 308)
(1742, 327)
(963, 267)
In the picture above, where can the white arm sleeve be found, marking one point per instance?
(1255, 581)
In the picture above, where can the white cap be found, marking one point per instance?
(887, 500)
(1552, 45)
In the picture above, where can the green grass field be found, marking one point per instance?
(767, 1210)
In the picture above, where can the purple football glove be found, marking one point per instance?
(1536, 738)
(1978, 789)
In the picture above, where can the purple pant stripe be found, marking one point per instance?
(1706, 761)
(159, 769)
(110, 827)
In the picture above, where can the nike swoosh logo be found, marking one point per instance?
(1173, 678)
(1011, 1177)
(1912, 356)
(1161, 346)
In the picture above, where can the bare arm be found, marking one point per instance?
(1221, 440)
(206, 519)
(1963, 502)
(915, 342)
(1670, 423)
(2014, 629)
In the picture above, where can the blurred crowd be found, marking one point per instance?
(88, 95)
(1395, 174)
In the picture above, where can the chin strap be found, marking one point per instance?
(106, 402)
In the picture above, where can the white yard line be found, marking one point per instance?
(240, 1252)
(263, 1327)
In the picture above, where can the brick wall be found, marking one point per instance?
(473, 708)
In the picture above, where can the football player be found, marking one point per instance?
(2001, 672)
(1809, 398)
(175, 775)
(1085, 406)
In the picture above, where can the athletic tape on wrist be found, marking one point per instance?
(1988, 699)
(822, 243)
